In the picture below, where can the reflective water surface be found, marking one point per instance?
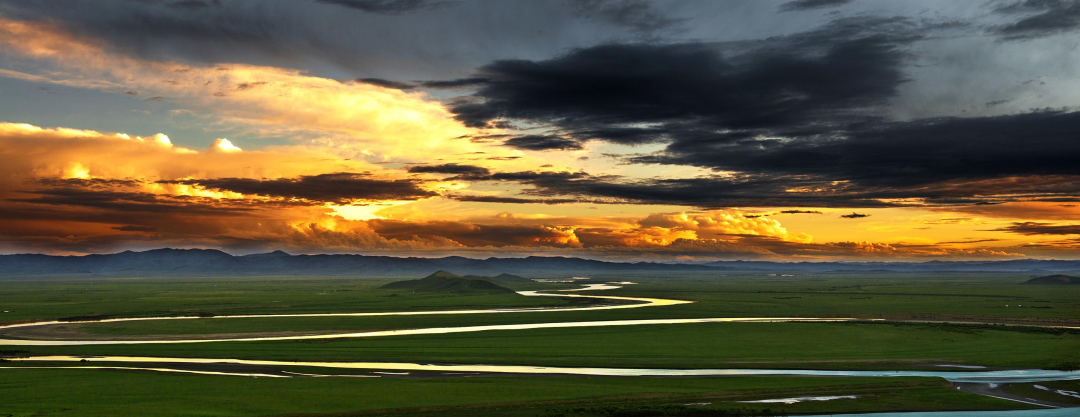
(429, 330)
(1007, 376)
(796, 400)
(627, 302)
(161, 364)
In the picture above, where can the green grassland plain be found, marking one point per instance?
(38, 392)
(978, 297)
(983, 295)
(771, 345)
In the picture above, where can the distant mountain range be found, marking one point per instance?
(207, 262)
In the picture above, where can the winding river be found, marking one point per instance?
(1005, 376)
(625, 302)
(166, 364)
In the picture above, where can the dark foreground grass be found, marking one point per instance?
(26, 392)
(708, 345)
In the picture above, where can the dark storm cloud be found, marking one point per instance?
(707, 192)
(697, 192)
(854, 215)
(1037, 228)
(637, 15)
(432, 84)
(132, 228)
(391, 7)
(792, 112)
(1039, 18)
(453, 84)
(387, 83)
(205, 31)
(192, 4)
(128, 202)
(472, 234)
(765, 190)
(535, 177)
(455, 169)
(261, 32)
(542, 143)
(629, 135)
(338, 187)
(411, 39)
(642, 93)
(911, 153)
(512, 200)
(969, 241)
(89, 182)
(798, 5)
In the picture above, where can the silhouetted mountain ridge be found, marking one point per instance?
(209, 262)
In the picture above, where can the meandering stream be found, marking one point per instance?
(1004, 376)
(168, 364)
(627, 302)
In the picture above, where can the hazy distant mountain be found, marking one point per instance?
(207, 262)
(443, 281)
(1057, 279)
(1017, 265)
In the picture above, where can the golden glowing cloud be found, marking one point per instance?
(28, 152)
(354, 118)
(716, 223)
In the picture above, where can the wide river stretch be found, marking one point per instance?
(622, 303)
(1002, 376)
(278, 369)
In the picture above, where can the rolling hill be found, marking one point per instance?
(1056, 279)
(447, 282)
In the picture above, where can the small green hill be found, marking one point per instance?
(1054, 280)
(501, 278)
(443, 281)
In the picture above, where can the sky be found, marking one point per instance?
(805, 130)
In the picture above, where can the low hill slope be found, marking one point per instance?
(443, 281)
(1057, 279)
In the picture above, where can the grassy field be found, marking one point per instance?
(983, 295)
(988, 295)
(991, 298)
(40, 392)
(742, 345)
(848, 346)
(47, 299)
